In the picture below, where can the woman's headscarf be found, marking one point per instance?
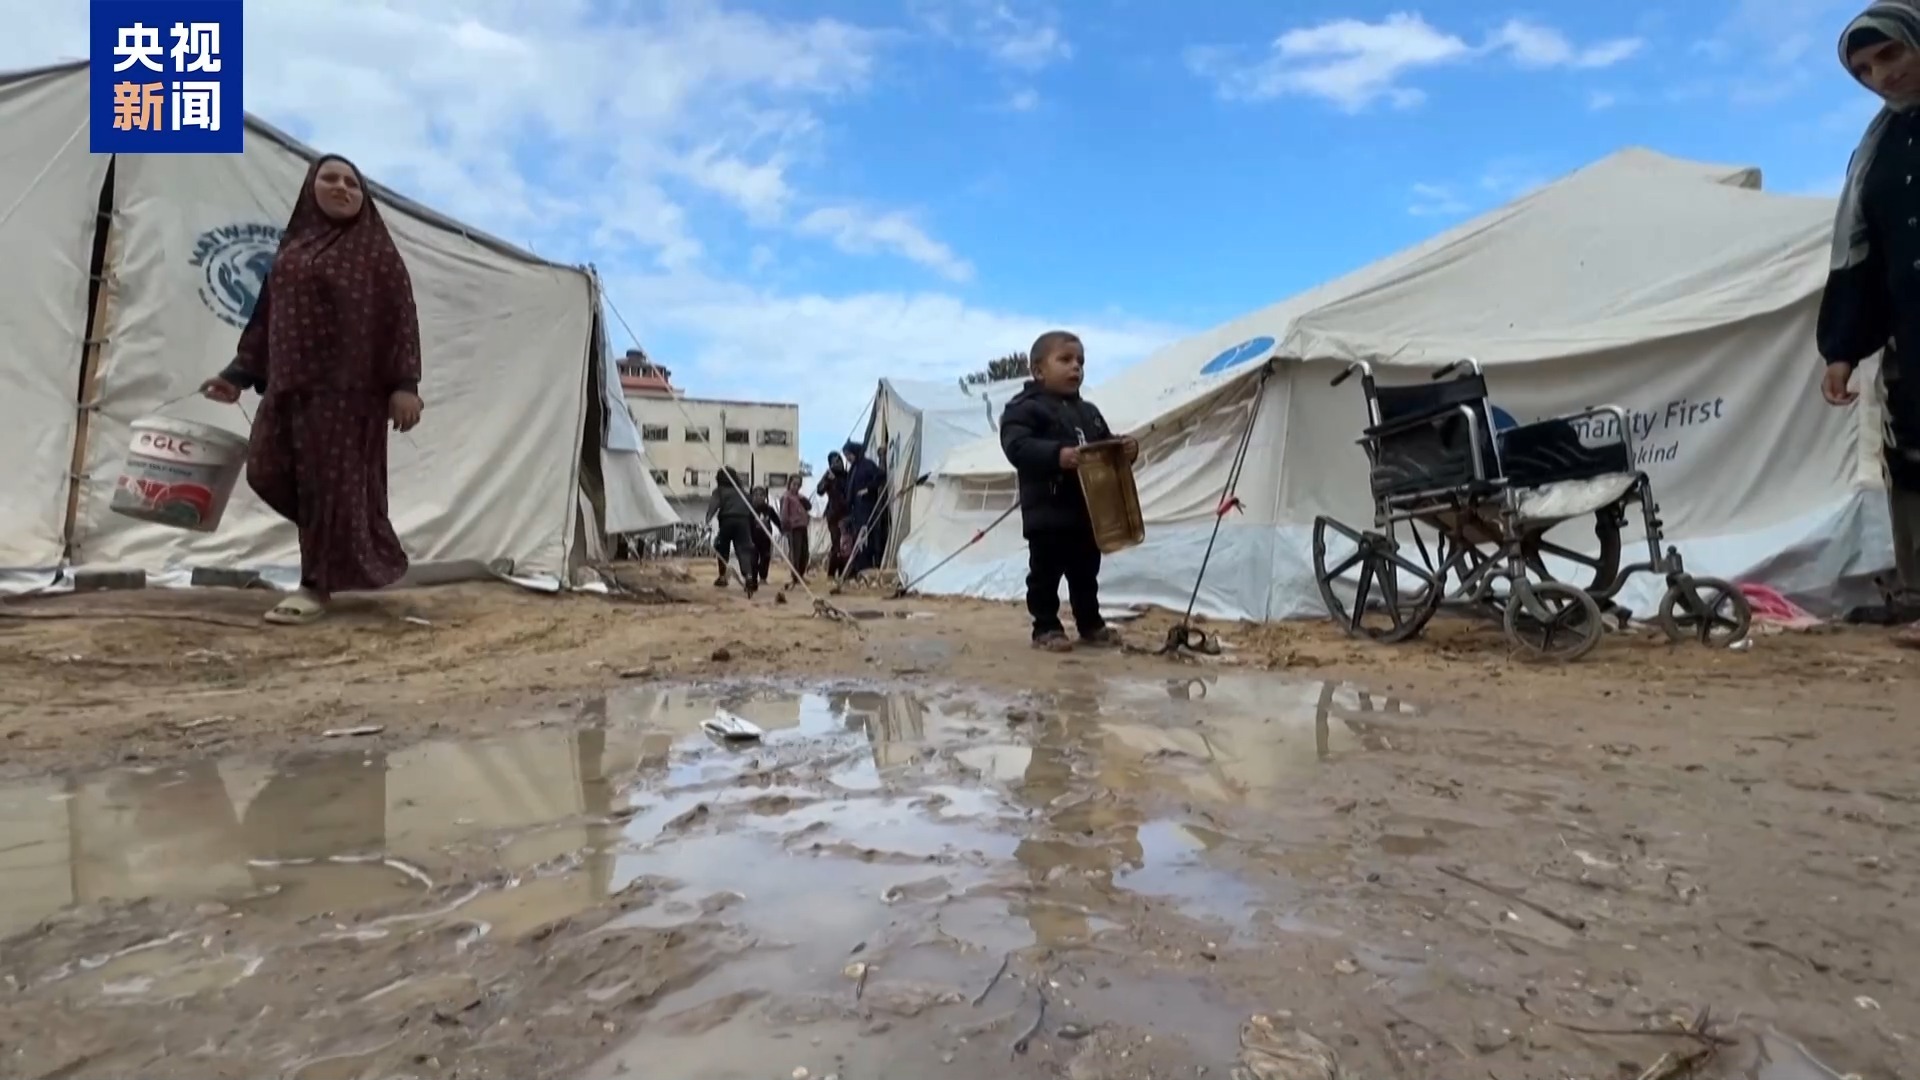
(1888, 20)
(375, 331)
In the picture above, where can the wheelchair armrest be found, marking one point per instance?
(1619, 414)
(1374, 435)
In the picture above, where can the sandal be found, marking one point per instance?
(299, 609)
(1055, 642)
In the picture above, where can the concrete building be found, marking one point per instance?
(688, 438)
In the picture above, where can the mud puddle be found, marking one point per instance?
(888, 877)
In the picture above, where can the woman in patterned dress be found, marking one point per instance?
(333, 349)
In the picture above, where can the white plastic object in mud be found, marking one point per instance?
(726, 726)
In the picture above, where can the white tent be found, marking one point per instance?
(1676, 289)
(916, 424)
(527, 457)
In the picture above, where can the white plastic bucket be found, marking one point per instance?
(179, 473)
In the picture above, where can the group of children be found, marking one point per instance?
(1042, 431)
(748, 524)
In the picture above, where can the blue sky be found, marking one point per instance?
(791, 199)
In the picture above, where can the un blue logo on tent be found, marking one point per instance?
(1251, 349)
(1502, 419)
(233, 261)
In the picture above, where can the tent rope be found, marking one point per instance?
(978, 536)
(1185, 636)
(821, 608)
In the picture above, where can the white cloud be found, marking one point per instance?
(1601, 100)
(1356, 64)
(1768, 51)
(1024, 40)
(858, 231)
(1025, 100)
(1534, 46)
(1348, 62)
(1436, 200)
(640, 137)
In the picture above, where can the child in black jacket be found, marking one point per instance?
(1042, 430)
(735, 537)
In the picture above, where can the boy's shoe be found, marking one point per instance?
(1106, 637)
(720, 582)
(1053, 642)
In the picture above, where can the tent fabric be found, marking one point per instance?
(48, 200)
(916, 424)
(512, 344)
(1678, 290)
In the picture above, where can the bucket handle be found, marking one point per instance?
(242, 406)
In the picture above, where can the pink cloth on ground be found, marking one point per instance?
(1771, 607)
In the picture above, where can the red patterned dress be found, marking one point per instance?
(333, 337)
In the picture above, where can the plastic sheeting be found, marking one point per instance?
(492, 478)
(1677, 290)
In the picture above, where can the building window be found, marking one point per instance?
(692, 479)
(776, 479)
(774, 437)
(653, 433)
(737, 436)
(660, 476)
(699, 434)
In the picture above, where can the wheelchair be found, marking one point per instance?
(1489, 498)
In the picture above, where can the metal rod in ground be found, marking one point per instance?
(1226, 498)
(977, 537)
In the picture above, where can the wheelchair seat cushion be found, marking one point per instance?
(1562, 500)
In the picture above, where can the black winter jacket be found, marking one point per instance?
(729, 503)
(1034, 427)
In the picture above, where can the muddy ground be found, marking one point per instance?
(1427, 860)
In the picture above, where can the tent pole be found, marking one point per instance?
(87, 399)
(1184, 635)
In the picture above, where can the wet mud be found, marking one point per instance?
(1128, 876)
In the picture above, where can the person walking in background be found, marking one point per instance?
(833, 488)
(333, 350)
(1872, 299)
(728, 504)
(765, 530)
(795, 517)
(866, 484)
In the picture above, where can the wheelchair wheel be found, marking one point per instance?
(1369, 589)
(1708, 610)
(1601, 567)
(1551, 620)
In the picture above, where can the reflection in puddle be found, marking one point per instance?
(923, 830)
(334, 833)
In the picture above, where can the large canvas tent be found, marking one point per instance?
(915, 424)
(128, 279)
(1676, 289)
